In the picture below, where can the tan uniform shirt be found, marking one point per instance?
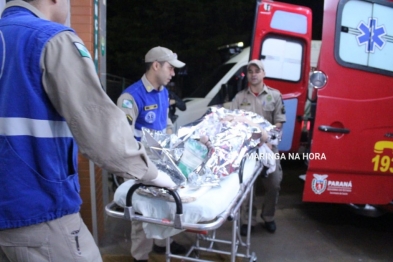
(268, 104)
(100, 128)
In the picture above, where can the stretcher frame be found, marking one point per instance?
(232, 214)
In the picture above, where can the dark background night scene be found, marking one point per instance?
(192, 29)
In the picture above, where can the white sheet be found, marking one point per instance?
(206, 207)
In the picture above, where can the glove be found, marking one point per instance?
(162, 180)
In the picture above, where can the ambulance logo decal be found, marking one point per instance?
(319, 183)
(371, 35)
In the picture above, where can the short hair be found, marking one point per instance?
(149, 64)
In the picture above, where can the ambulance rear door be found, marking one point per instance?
(282, 40)
(351, 159)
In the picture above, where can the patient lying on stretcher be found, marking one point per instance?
(203, 160)
(213, 148)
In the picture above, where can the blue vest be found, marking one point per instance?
(38, 155)
(152, 107)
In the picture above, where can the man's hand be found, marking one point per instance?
(162, 180)
(172, 101)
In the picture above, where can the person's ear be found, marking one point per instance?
(156, 65)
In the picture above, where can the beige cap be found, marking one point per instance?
(162, 54)
(256, 62)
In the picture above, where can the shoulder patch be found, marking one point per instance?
(283, 110)
(127, 103)
(82, 50)
(129, 119)
(283, 106)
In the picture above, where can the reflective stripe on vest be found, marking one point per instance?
(13, 126)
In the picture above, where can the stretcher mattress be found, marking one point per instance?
(207, 203)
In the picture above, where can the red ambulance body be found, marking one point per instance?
(350, 157)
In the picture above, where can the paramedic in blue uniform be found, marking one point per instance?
(267, 102)
(146, 104)
(51, 105)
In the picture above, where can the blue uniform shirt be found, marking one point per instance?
(152, 107)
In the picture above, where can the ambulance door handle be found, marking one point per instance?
(331, 129)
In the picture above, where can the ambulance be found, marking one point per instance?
(350, 132)
(352, 116)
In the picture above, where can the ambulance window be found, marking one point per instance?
(365, 38)
(236, 83)
(290, 22)
(228, 90)
(282, 58)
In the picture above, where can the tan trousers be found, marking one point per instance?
(272, 188)
(141, 246)
(60, 240)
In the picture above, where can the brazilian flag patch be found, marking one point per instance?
(127, 103)
(82, 50)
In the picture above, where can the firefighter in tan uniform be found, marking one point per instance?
(265, 101)
(53, 106)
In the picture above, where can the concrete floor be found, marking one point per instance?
(305, 231)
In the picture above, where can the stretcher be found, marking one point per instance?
(203, 215)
